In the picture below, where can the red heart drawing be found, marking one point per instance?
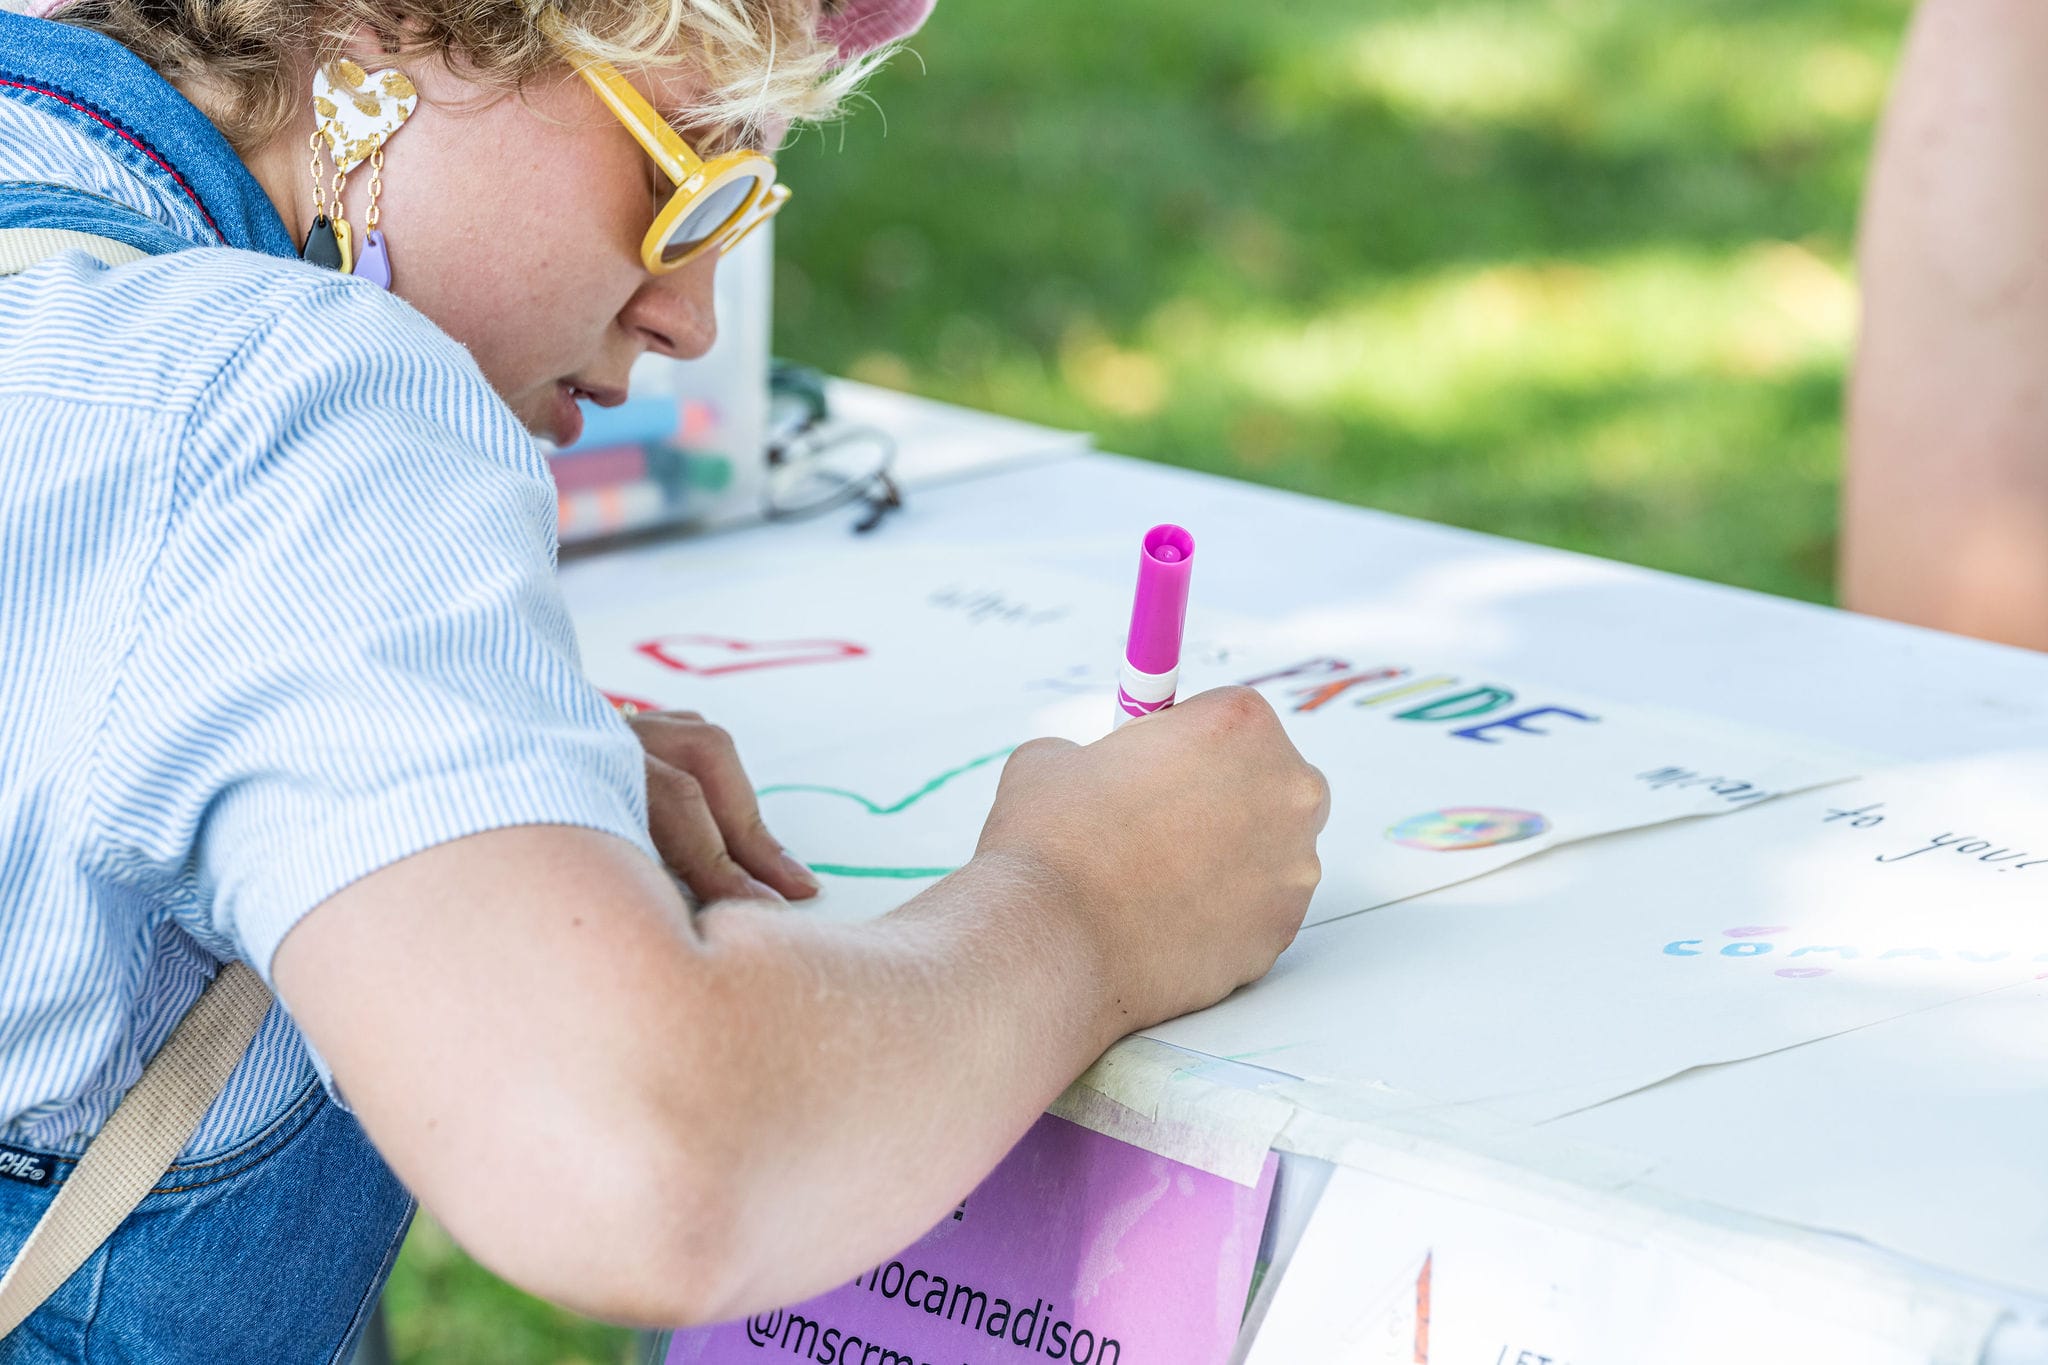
(691, 653)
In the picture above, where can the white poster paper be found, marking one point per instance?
(1614, 964)
(1923, 1134)
(1391, 1274)
(873, 699)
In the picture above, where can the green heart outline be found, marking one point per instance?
(894, 808)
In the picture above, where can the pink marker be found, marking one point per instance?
(1151, 667)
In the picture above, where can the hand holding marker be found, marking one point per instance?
(1151, 666)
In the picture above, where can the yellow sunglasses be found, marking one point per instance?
(716, 203)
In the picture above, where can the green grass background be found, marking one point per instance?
(1575, 271)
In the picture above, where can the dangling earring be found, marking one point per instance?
(374, 264)
(323, 244)
(355, 123)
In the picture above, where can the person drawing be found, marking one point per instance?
(285, 681)
(1945, 505)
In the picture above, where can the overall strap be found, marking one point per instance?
(31, 207)
(158, 1116)
(140, 1139)
(21, 248)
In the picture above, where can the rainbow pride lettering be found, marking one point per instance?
(1320, 681)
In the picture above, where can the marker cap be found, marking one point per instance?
(1159, 611)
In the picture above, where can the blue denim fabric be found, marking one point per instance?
(107, 91)
(273, 1251)
(57, 206)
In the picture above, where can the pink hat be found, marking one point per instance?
(858, 26)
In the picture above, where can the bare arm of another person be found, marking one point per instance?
(660, 1121)
(1945, 511)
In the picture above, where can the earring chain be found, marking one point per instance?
(376, 186)
(319, 197)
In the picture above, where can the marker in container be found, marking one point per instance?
(1151, 667)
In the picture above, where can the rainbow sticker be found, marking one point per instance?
(1460, 827)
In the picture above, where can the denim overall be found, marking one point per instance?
(272, 1248)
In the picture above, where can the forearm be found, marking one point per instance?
(656, 1118)
(884, 1068)
(1945, 509)
(655, 1121)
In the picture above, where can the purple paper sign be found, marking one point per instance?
(1077, 1248)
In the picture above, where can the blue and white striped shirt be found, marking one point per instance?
(277, 608)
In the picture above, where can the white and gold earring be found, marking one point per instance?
(356, 113)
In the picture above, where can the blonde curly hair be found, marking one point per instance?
(758, 61)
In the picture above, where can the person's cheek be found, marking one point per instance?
(573, 304)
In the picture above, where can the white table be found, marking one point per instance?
(1576, 622)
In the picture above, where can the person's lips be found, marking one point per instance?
(604, 395)
(565, 423)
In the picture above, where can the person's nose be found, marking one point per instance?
(674, 314)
